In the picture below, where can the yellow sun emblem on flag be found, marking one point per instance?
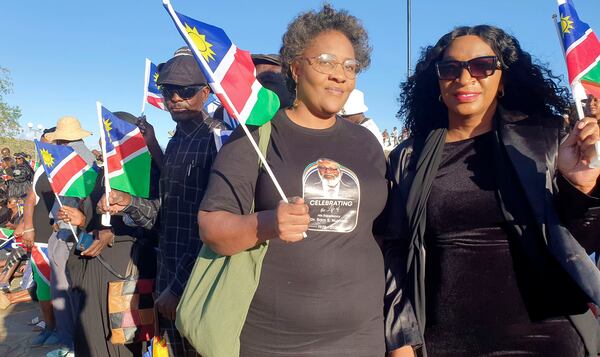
(200, 41)
(108, 127)
(47, 158)
(566, 24)
(156, 80)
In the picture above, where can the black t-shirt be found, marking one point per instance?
(322, 296)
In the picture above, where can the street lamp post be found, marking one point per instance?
(35, 131)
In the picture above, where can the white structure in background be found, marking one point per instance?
(34, 132)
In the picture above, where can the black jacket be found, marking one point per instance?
(566, 219)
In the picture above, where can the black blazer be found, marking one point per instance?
(568, 219)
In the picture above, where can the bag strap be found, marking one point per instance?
(132, 269)
(110, 268)
(264, 136)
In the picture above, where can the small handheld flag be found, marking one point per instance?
(582, 54)
(228, 69)
(126, 158)
(232, 77)
(68, 173)
(582, 49)
(152, 92)
(6, 233)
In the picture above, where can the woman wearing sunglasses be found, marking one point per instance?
(319, 294)
(493, 211)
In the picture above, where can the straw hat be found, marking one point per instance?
(68, 128)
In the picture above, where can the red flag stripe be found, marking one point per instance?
(582, 56)
(114, 162)
(156, 101)
(123, 151)
(41, 262)
(131, 146)
(71, 168)
(238, 80)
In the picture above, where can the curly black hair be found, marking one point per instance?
(309, 25)
(529, 87)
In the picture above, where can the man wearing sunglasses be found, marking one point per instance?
(187, 162)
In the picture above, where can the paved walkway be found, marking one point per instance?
(15, 334)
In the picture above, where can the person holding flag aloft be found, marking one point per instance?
(113, 247)
(187, 162)
(493, 210)
(322, 283)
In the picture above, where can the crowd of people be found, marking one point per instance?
(478, 236)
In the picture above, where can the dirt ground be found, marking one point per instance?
(15, 334)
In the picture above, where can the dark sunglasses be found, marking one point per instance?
(479, 67)
(183, 92)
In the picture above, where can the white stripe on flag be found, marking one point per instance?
(581, 39)
(61, 164)
(133, 133)
(226, 62)
(135, 154)
(114, 174)
(245, 113)
(154, 95)
(585, 71)
(73, 179)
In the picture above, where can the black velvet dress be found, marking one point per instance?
(476, 278)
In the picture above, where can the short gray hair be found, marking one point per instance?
(309, 25)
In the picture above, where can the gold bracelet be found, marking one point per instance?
(29, 230)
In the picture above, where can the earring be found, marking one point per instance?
(501, 93)
(440, 98)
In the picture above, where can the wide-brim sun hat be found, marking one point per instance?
(68, 128)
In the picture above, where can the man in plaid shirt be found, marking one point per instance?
(185, 170)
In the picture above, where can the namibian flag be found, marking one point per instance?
(153, 94)
(39, 258)
(68, 173)
(6, 233)
(127, 159)
(8, 239)
(39, 252)
(229, 70)
(582, 49)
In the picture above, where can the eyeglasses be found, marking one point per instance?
(479, 68)
(183, 92)
(327, 64)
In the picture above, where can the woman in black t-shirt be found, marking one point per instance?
(319, 294)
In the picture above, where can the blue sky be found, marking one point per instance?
(66, 55)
